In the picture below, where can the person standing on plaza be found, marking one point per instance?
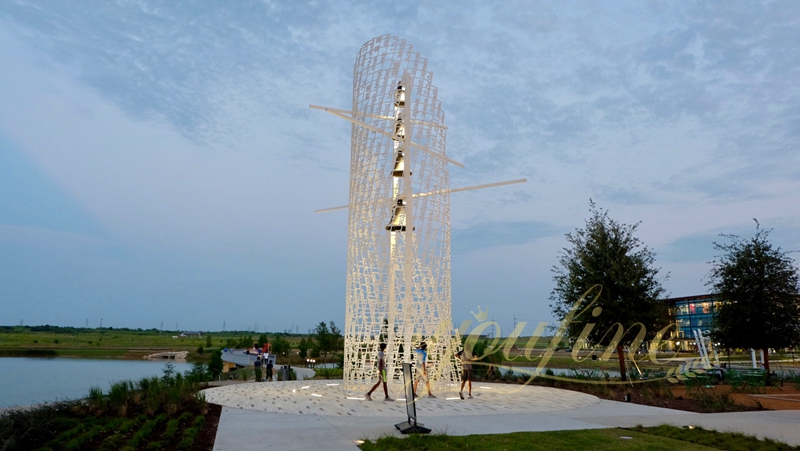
(381, 375)
(257, 366)
(466, 373)
(269, 369)
(421, 361)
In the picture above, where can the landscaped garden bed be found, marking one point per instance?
(165, 413)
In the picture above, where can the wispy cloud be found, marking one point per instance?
(494, 234)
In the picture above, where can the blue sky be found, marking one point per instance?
(159, 163)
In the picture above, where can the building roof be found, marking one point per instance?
(697, 297)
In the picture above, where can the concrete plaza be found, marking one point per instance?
(301, 415)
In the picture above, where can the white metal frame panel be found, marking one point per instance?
(398, 262)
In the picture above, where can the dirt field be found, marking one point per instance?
(773, 398)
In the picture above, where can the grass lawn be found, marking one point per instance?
(18, 341)
(665, 438)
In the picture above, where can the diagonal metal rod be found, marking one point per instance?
(336, 112)
(431, 193)
(388, 118)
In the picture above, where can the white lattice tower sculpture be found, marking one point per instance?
(398, 262)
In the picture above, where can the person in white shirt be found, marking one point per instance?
(422, 368)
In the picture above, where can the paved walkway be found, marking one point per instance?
(301, 415)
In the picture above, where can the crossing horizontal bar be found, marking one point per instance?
(432, 193)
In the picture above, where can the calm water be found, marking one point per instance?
(26, 381)
(527, 370)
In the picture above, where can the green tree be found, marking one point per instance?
(304, 346)
(262, 340)
(280, 346)
(215, 364)
(337, 341)
(607, 278)
(245, 342)
(322, 337)
(758, 284)
(198, 373)
(328, 339)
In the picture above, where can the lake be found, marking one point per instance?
(27, 381)
(564, 372)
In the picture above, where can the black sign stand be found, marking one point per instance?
(411, 426)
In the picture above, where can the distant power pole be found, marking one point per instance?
(87, 323)
(101, 323)
(223, 326)
(162, 326)
(20, 322)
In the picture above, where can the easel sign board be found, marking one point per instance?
(411, 426)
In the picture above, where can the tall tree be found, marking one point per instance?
(337, 342)
(328, 339)
(758, 286)
(322, 337)
(606, 266)
(303, 347)
(281, 346)
(262, 340)
(215, 365)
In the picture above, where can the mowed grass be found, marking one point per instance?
(104, 339)
(21, 337)
(667, 438)
(106, 343)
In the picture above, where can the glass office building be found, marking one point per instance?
(692, 312)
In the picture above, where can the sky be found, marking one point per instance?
(160, 167)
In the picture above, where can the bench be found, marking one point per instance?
(700, 378)
(750, 380)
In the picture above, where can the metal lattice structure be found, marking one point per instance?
(398, 262)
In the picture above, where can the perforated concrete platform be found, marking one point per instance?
(306, 415)
(330, 399)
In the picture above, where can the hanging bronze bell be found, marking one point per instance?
(398, 221)
(399, 165)
(400, 96)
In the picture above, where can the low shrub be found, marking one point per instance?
(328, 373)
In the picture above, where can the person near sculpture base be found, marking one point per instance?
(466, 373)
(422, 368)
(381, 375)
